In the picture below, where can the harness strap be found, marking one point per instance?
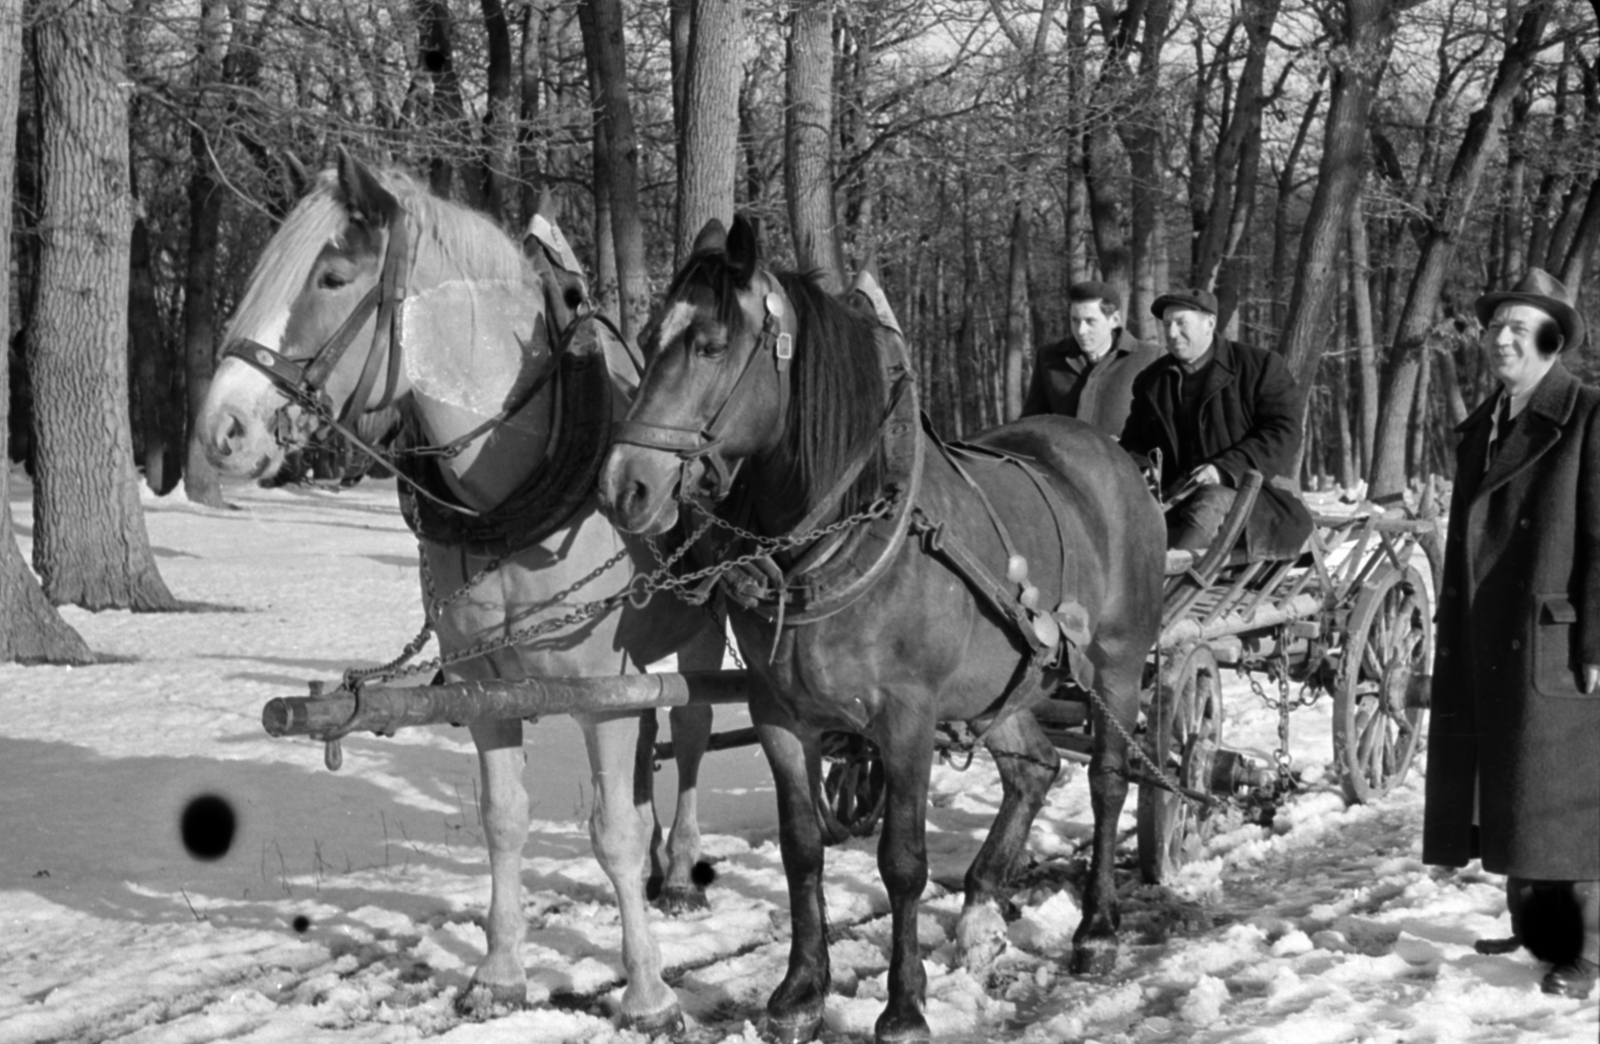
(950, 455)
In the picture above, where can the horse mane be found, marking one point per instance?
(448, 239)
(838, 383)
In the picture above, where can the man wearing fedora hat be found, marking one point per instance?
(1089, 375)
(1514, 739)
(1212, 409)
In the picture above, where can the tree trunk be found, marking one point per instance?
(709, 154)
(444, 112)
(90, 545)
(530, 70)
(31, 631)
(604, 45)
(1362, 332)
(1364, 51)
(155, 383)
(499, 123)
(201, 483)
(808, 142)
(1581, 255)
(1440, 232)
(1144, 139)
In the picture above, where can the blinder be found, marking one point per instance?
(705, 443)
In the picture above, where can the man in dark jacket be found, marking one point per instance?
(1214, 409)
(1514, 740)
(1089, 375)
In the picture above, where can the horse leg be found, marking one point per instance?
(794, 1011)
(907, 750)
(683, 889)
(1094, 949)
(621, 838)
(501, 977)
(1028, 764)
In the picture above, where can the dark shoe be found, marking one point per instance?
(1490, 947)
(1574, 979)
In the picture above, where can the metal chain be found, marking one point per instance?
(1167, 782)
(638, 592)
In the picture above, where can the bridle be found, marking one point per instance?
(706, 442)
(304, 379)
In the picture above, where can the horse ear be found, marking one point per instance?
(743, 250)
(361, 193)
(299, 178)
(546, 207)
(712, 238)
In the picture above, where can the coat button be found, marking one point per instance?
(1516, 643)
(1523, 523)
(1449, 592)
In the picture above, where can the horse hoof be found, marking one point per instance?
(912, 1030)
(676, 902)
(668, 1020)
(980, 937)
(1093, 957)
(796, 1028)
(485, 1000)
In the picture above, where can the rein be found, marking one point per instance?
(705, 443)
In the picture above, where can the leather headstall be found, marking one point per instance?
(773, 343)
(304, 379)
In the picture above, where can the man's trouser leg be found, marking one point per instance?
(1193, 522)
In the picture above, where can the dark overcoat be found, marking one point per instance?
(1518, 617)
(1065, 384)
(1249, 418)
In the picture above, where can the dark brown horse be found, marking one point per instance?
(932, 607)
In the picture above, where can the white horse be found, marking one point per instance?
(461, 327)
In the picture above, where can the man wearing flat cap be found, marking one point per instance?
(1089, 375)
(1514, 737)
(1213, 409)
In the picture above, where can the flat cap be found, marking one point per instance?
(1203, 300)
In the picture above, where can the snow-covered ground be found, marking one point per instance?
(347, 906)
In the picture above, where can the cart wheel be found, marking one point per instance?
(854, 789)
(1390, 637)
(1183, 733)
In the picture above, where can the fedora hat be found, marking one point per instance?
(1203, 300)
(1544, 292)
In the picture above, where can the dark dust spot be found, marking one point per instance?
(207, 827)
(703, 874)
(301, 923)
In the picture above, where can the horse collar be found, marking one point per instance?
(841, 567)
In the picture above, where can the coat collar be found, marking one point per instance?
(1537, 429)
(1072, 355)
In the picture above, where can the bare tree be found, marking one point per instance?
(808, 141)
(90, 546)
(709, 153)
(1438, 231)
(31, 631)
(618, 182)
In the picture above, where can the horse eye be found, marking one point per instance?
(710, 348)
(331, 280)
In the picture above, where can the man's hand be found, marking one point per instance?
(1591, 676)
(1207, 475)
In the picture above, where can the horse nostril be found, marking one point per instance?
(230, 435)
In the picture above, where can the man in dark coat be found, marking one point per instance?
(1514, 741)
(1215, 409)
(1089, 375)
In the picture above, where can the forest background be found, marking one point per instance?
(1346, 175)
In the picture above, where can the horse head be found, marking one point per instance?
(745, 364)
(363, 259)
(310, 328)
